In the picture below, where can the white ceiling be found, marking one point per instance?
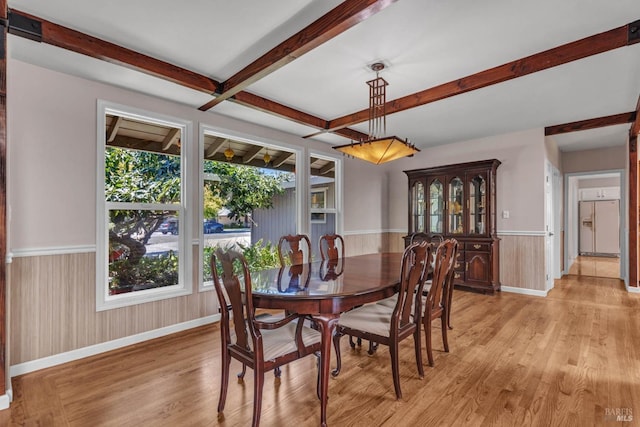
(425, 42)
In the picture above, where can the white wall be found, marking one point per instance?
(520, 177)
(600, 159)
(365, 197)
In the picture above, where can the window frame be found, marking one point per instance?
(338, 183)
(322, 211)
(104, 301)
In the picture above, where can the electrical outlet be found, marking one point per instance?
(505, 214)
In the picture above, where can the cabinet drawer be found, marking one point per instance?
(477, 247)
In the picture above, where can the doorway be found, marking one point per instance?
(588, 194)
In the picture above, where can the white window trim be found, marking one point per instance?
(322, 210)
(301, 183)
(338, 188)
(104, 301)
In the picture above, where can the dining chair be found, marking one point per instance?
(331, 247)
(260, 345)
(437, 301)
(332, 250)
(294, 249)
(390, 325)
(426, 237)
(435, 240)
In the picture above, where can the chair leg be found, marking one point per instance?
(448, 307)
(427, 334)
(317, 354)
(241, 374)
(353, 344)
(224, 381)
(445, 341)
(373, 347)
(336, 345)
(258, 383)
(418, 349)
(395, 368)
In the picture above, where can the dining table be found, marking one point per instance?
(325, 289)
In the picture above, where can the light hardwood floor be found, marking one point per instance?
(565, 360)
(596, 266)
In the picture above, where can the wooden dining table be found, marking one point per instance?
(323, 290)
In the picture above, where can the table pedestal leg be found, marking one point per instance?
(327, 325)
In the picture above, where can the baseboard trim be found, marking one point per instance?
(5, 400)
(632, 289)
(524, 291)
(92, 350)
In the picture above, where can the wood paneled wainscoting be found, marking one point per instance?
(52, 308)
(360, 243)
(522, 262)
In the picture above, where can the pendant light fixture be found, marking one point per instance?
(228, 153)
(377, 148)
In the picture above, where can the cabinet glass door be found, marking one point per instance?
(436, 207)
(456, 201)
(477, 205)
(418, 204)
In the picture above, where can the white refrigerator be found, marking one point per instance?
(600, 227)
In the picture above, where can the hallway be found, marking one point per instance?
(596, 266)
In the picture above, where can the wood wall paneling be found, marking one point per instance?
(53, 309)
(522, 261)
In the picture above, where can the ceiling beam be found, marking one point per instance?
(281, 159)
(214, 147)
(598, 122)
(23, 24)
(258, 163)
(583, 48)
(327, 168)
(341, 18)
(143, 145)
(113, 129)
(171, 138)
(251, 154)
(75, 41)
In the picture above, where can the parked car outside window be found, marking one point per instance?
(209, 226)
(169, 226)
(212, 226)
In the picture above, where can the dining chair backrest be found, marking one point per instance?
(444, 259)
(230, 294)
(331, 247)
(413, 272)
(428, 237)
(294, 249)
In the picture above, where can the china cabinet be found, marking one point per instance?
(459, 201)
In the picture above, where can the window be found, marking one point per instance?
(142, 229)
(318, 205)
(249, 187)
(324, 197)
